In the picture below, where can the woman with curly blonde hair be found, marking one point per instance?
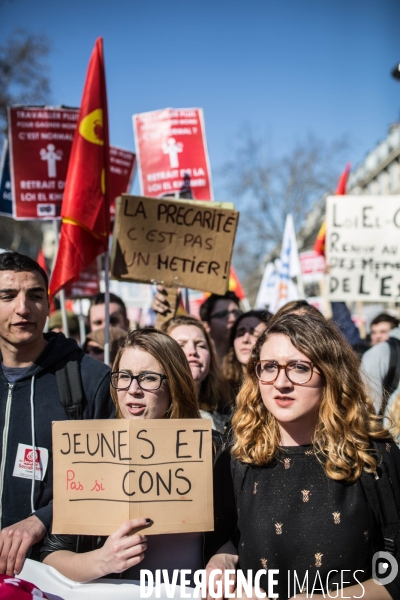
(302, 436)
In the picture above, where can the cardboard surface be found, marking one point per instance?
(173, 242)
(109, 471)
(363, 248)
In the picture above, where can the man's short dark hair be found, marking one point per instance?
(385, 318)
(100, 299)
(19, 263)
(207, 308)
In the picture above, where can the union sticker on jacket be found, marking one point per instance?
(27, 460)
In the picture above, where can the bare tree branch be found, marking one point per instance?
(23, 72)
(24, 79)
(267, 188)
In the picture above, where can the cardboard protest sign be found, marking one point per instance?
(109, 471)
(5, 183)
(363, 248)
(173, 242)
(172, 153)
(40, 145)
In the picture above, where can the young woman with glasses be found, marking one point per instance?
(151, 379)
(302, 447)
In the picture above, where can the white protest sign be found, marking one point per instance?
(363, 248)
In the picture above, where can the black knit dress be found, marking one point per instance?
(320, 534)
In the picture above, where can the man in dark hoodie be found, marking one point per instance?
(30, 401)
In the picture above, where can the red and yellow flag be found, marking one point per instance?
(319, 245)
(85, 207)
(235, 285)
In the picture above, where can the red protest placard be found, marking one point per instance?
(88, 284)
(122, 168)
(172, 153)
(40, 147)
(312, 266)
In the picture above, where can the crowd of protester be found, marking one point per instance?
(303, 433)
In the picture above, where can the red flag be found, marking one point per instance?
(85, 207)
(319, 246)
(235, 285)
(41, 261)
(342, 183)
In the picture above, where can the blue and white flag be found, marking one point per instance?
(267, 292)
(289, 268)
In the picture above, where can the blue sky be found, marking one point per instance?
(285, 67)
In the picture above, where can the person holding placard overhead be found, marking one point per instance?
(316, 477)
(151, 379)
(218, 313)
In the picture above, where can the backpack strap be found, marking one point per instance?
(69, 383)
(379, 493)
(217, 444)
(392, 377)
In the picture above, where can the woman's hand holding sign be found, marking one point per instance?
(123, 549)
(226, 559)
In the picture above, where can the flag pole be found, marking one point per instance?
(300, 284)
(81, 319)
(61, 293)
(107, 307)
(361, 327)
(187, 301)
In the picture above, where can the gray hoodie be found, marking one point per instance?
(374, 367)
(36, 393)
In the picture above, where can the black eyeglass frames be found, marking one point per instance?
(148, 381)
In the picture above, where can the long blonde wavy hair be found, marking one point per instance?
(346, 418)
(394, 418)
